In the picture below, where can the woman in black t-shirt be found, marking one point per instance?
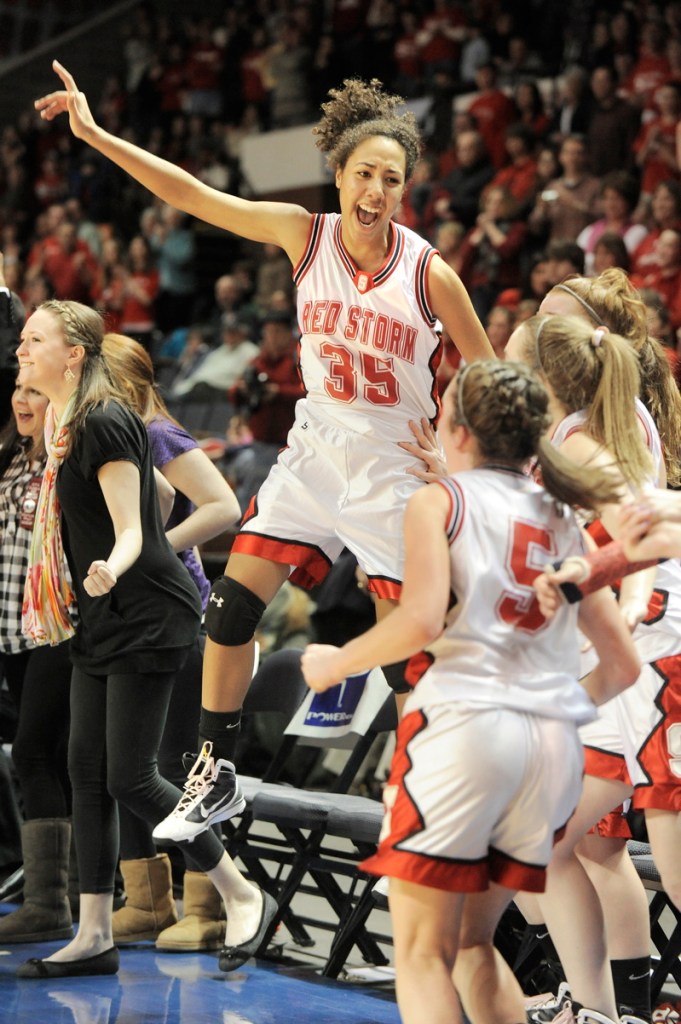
(139, 614)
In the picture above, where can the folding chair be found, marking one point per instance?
(667, 943)
(304, 820)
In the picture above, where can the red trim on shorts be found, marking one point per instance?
(311, 564)
(513, 874)
(604, 764)
(433, 872)
(417, 666)
(663, 790)
(383, 587)
(612, 825)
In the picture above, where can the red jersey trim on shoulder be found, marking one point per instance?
(421, 284)
(457, 507)
(646, 427)
(577, 429)
(314, 239)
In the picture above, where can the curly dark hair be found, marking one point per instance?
(359, 110)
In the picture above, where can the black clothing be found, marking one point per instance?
(151, 617)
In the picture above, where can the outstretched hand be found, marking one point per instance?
(69, 100)
(428, 450)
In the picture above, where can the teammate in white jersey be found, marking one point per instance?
(488, 764)
(370, 294)
(610, 299)
(594, 393)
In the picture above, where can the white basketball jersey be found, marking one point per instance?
(574, 423)
(369, 347)
(497, 648)
(665, 603)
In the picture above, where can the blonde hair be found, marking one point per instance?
(131, 367)
(505, 407)
(82, 325)
(612, 300)
(596, 371)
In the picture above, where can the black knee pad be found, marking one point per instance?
(394, 677)
(233, 613)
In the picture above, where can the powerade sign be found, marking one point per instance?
(336, 706)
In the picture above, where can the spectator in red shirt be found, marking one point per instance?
(169, 77)
(489, 252)
(68, 265)
(50, 185)
(651, 68)
(203, 70)
(665, 212)
(666, 277)
(655, 144)
(265, 397)
(254, 89)
(493, 111)
(520, 176)
(407, 57)
(140, 288)
(439, 39)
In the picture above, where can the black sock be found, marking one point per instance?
(221, 728)
(631, 979)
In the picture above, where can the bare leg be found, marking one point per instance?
(425, 929)
(94, 931)
(664, 832)
(488, 989)
(622, 896)
(571, 906)
(227, 671)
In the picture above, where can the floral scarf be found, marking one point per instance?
(47, 593)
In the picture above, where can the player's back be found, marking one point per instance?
(497, 648)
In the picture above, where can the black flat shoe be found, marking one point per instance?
(103, 963)
(232, 957)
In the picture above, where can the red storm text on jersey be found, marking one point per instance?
(369, 347)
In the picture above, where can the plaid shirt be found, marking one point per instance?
(19, 489)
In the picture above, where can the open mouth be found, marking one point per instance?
(367, 217)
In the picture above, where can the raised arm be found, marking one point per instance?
(283, 224)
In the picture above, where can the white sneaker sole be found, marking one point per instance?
(179, 830)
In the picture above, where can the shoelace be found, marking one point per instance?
(197, 784)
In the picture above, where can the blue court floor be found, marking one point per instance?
(188, 988)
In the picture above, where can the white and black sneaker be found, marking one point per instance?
(211, 793)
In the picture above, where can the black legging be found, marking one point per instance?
(179, 735)
(116, 727)
(39, 682)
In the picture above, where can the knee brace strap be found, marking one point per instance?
(233, 613)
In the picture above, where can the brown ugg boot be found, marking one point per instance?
(150, 906)
(45, 913)
(203, 920)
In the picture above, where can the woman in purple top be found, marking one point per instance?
(204, 506)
